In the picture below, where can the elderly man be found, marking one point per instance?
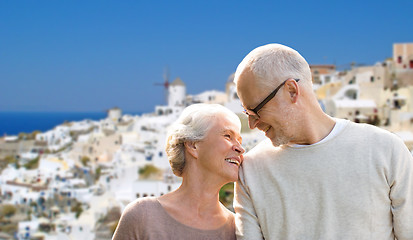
(315, 177)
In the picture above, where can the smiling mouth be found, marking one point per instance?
(232, 161)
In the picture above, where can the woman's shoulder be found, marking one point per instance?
(145, 201)
(141, 206)
(137, 218)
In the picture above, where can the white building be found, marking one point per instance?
(114, 114)
(57, 138)
(176, 99)
(212, 96)
(176, 93)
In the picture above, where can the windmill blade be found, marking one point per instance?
(165, 84)
(166, 76)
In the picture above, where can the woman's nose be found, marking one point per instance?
(238, 148)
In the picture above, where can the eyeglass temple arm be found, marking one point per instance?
(271, 95)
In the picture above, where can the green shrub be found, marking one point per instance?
(148, 170)
(8, 210)
(32, 164)
(85, 160)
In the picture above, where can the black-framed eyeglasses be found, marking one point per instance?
(254, 112)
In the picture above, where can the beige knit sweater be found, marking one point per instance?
(356, 185)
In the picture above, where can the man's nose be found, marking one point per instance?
(252, 122)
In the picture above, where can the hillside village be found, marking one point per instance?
(73, 181)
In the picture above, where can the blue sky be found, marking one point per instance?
(94, 55)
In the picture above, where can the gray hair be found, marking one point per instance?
(272, 64)
(193, 124)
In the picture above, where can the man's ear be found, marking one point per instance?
(292, 87)
(191, 149)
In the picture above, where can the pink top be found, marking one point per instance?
(145, 218)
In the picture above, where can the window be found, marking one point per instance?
(396, 104)
(372, 79)
(351, 94)
(353, 80)
(411, 63)
(399, 59)
(317, 80)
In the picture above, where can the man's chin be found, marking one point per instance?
(278, 142)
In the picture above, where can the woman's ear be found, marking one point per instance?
(191, 149)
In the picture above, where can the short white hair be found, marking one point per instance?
(193, 124)
(272, 64)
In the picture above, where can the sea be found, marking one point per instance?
(13, 123)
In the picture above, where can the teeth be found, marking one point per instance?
(232, 161)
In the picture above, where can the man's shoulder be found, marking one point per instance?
(374, 131)
(368, 134)
(264, 149)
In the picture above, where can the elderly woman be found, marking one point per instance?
(204, 148)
